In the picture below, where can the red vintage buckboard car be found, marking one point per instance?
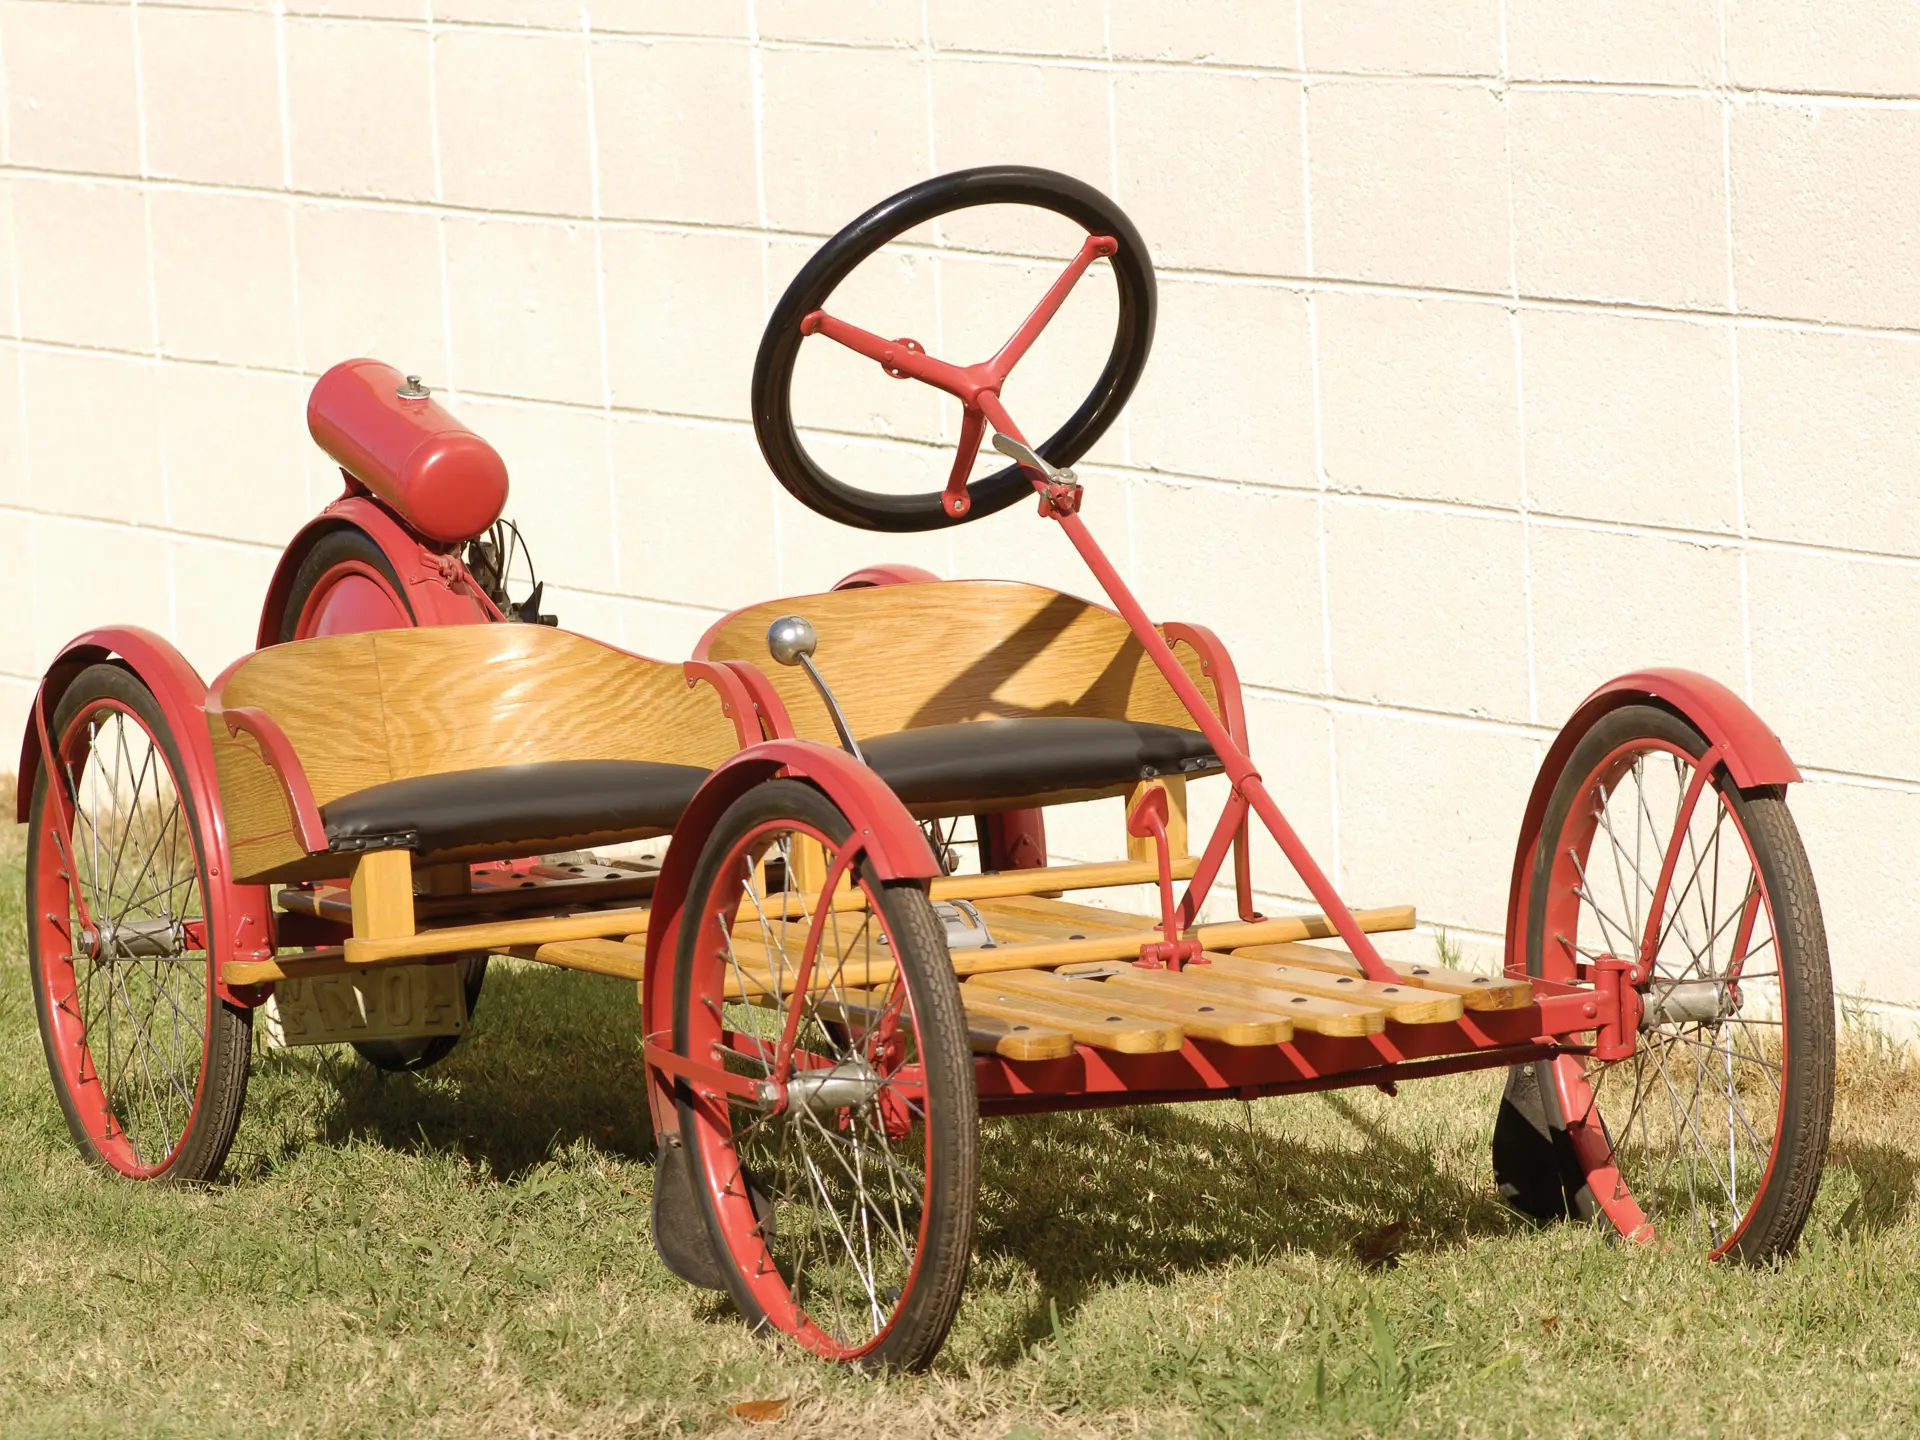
(405, 778)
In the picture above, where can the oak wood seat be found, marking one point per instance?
(916, 666)
(426, 709)
(547, 804)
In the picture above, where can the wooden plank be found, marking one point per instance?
(500, 935)
(1124, 945)
(987, 1034)
(1202, 1015)
(1476, 992)
(597, 957)
(1102, 1029)
(1116, 945)
(330, 960)
(1016, 1039)
(1308, 1012)
(1097, 876)
(1065, 912)
(382, 895)
(1405, 1004)
(755, 961)
(548, 889)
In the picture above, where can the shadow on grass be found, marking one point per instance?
(1087, 1200)
(1081, 1201)
(1886, 1176)
(552, 1060)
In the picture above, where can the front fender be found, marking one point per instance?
(242, 913)
(1751, 752)
(895, 844)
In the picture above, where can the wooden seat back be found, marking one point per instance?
(361, 710)
(901, 657)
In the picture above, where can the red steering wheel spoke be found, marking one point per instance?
(976, 387)
(1011, 353)
(973, 425)
(902, 359)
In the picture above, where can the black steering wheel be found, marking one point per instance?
(799, 314)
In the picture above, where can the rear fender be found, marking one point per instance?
(1752, 754)
(895, 844)
(431, 578)
(242, 913)
(884, 575)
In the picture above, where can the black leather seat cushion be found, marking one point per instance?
(1006, 760)
(514, 805)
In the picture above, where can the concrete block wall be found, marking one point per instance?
(1504, 344)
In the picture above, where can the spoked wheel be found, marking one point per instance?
(801, 312)
(1713, 1132)
(346, 585)
(149, 1064)
(839, 1187)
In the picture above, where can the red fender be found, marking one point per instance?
(895, 844)
(884, 575)
(1751, 752)
(431, 579)
(243, 913)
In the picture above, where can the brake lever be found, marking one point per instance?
(1061, 490)
(1032, 459)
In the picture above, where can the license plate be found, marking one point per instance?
(392, 1003)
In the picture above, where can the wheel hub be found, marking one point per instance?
(159, 938)
(1687, 1002)
(846, 1086)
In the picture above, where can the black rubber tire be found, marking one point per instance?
(962, 190)
(228, 1049)
(1539, 1168)
(920, 948)
(420, 1052)
(333, 549)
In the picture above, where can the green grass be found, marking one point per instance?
(466, 1254)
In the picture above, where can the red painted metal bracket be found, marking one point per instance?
(710, 1075)
(279, 754)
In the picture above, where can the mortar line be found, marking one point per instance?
(600, 305)
(1733, 364)
(763, 230)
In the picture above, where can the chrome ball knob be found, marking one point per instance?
(790, 637)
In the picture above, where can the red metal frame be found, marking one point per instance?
(890, 574)
(893, 844)
(242, 913)
(434, 583)
(278, 752)
(1479, 1038)
(977, 387)
(1742, 741)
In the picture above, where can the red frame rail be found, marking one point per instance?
(1091, 1077)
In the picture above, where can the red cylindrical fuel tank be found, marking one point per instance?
(395, 439)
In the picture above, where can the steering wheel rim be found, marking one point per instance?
(773, 422)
